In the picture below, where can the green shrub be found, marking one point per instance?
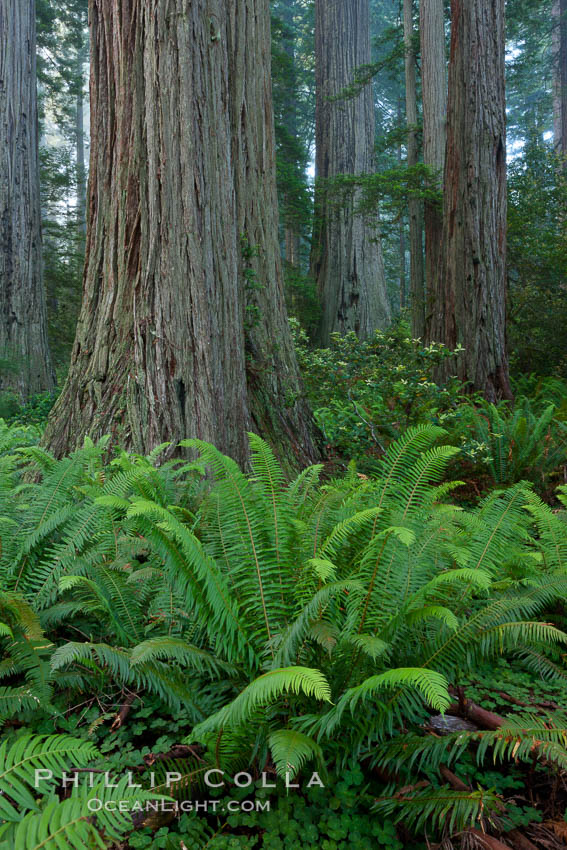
(33, 412)
(366, 393)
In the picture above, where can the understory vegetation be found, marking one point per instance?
(342, 225)
(374, 650)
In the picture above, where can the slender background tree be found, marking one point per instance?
(63, 50)
(559, 13)
(26, 362)
(434, 95)
(347, 256)
(275, 399)
(417, 284)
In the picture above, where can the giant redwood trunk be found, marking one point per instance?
(277, 407)
(417, 272)
(347, 256)
(158, 353)
(81, 171)
(470, 300)
(160, 347)
(434, 100)
(26, 363)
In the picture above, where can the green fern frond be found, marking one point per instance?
(431, 685)
(19, 761)
(293, 636)
(291, 749)
(167, 648)
(323, 569)
(344, 530)
(21, 614)
(438, 612)
(265, 690)
(402, 454)
(439, 808)
(300, 489)
(70, 825)
(373, 646)
(521, 738)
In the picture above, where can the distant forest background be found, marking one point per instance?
(536, 256)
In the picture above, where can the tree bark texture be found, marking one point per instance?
(434, 100)
(401, 223)
(417, 289)
(160, 347)
(80, 147)
(402, 255)
(291, 225)
(26, 366)
(470, 301)
(276, 403)
(347, 255)
(559, 14)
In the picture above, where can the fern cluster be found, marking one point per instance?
(33, 816)
(293, 622)
(526, 441)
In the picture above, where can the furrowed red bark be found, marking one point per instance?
(469, 301)
(275, 399)
(82, 55)
(160, 347)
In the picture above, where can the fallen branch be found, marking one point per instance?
(487, 842)
(123, 713)
(178, 751)
(476, 714)
(519, 841)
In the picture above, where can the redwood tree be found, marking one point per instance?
(23, 328)
(291, 223)
(414, 205)
(434, 100)
(470, 300)
(347, 256)
(277, 408)
(559, 14)
(180, 112)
